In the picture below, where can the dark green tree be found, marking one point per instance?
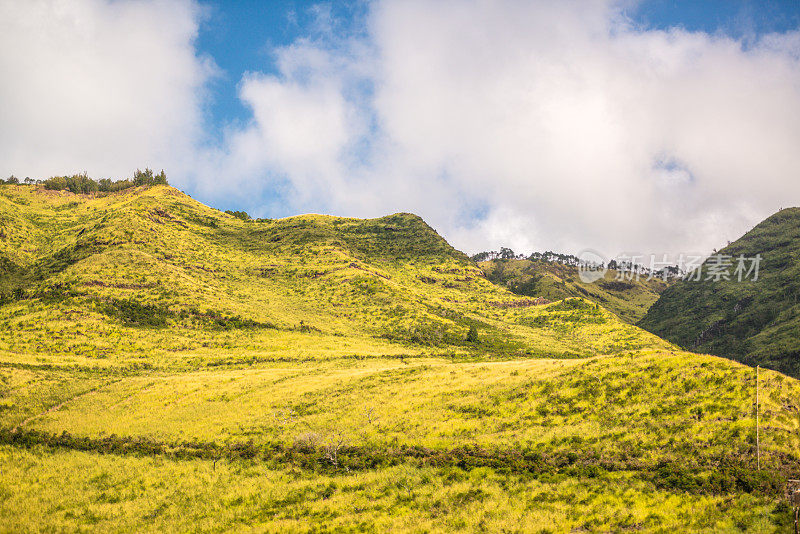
(239, 215)
(472, 334)
(144, 177)
(506, 253)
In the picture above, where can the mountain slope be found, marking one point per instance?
(155, 257)
(755, 322)
(628, 298)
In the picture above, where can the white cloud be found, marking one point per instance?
(99, 86)
(566, 124)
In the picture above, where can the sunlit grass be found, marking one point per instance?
(70, 490)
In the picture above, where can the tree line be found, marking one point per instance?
(506, 253)
(82, 184)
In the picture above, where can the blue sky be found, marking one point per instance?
(734, 17)
(623, 126)
(241, 37)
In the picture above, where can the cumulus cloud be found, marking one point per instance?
(534, 124)
(99, 86)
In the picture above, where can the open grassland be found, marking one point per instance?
(167, 367)
(647, 441)
(83, 275)
(636, 409)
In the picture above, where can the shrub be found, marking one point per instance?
(472, 334)
(239, 215)
(146, 177)
(135, 314)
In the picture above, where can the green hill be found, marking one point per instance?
(155, 257)
(754, 322)
(626, 296)
(165, 366)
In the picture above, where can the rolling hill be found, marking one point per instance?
(165, 366)
(154, 257)
(626, 296)
(756, 322)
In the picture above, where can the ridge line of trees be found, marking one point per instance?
(82, 184)
(506, 253)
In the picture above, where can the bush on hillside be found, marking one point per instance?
(77, 183)
(472, 334)
(239, 215)
(146, 177)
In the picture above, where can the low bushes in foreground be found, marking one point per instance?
(714, 476)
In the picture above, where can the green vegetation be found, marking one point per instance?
(754, 322)
(617, 291)
(82, 184)
(166, 366)
(239, 215)
(153, 255)
(80, 490)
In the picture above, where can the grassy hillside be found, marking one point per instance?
(628, 298)
(151, 269)
(754, 322)
(167, 367)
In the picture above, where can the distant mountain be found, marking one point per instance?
(624, 295)
(756, 322)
